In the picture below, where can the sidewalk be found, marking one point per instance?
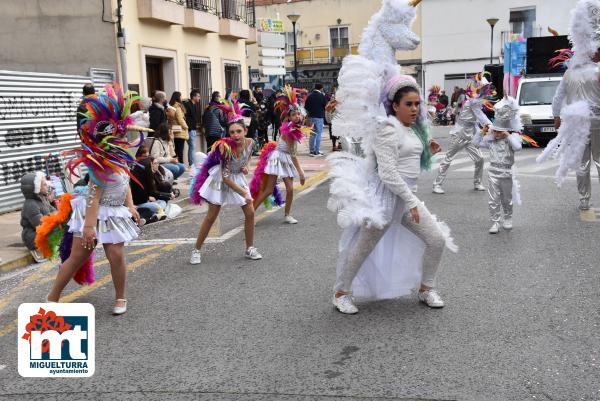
(14, 254)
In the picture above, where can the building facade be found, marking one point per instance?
(179, 45)
(456, 37)
(326, 31)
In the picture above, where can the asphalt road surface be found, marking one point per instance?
(521, 321)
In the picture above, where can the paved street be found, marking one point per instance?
(521, 321)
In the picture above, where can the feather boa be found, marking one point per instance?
(258, 182)
(294, 131)
(54, 239)
(569, 144)
(221, 151)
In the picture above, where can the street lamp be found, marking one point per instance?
(294, 18)
(492, 22)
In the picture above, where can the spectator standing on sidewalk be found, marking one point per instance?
(192, 111)
(315, 107)
(214, 121)
(178, 125)
(88, 89)
(163, 150)
(37, 204)
(157, 110)
(258, 94)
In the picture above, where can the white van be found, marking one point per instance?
(535, 100)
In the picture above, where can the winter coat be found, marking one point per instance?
(163, 151)
(214, 122)
(157, 115)
(315, 104)
(192, 112)
(34, 208)
(179, 119)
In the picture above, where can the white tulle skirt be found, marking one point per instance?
(280, 164)
(394, 267)
(114, 226)
(215, 191)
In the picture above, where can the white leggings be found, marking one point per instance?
(427, 230)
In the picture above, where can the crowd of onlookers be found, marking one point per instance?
(163, 157)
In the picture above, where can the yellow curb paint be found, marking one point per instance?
(590, 216)
(312, 180)
(104, 280)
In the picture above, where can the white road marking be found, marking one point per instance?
(216, 240)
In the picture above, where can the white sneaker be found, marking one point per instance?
(479, 187)
(437, 189)
(507, 223)
(196, 258)
(252, 253)
(495, 228)
(431, 298)
(345, 304)
(311, 154)
(290, 220)
(37, 256)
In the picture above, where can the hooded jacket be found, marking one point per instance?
(34, 208)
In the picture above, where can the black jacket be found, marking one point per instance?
(192, 114)
(214, 122)
(315, 104)
(157, 116)
(34, 208)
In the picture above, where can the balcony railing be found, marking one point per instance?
(323, 55)
(207, 6)
(239, 10)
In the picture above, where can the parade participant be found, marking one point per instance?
(103, 215)
(279, 159)
(377, 206)
(221, 181)
(503, 140)
(480, 94)
(576, 104)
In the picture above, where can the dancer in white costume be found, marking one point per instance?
(576, 104)
(390, 255)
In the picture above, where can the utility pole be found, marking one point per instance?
(121, 46)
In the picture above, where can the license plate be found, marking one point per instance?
(548, 129)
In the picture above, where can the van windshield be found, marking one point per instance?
(537, 93)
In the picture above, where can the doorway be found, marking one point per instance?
(154, 74)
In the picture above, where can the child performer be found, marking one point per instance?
(221, 181)
(503, 139)
(480, 94)
(279, 159)
(105, 215)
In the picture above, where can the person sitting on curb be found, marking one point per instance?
(38, 203)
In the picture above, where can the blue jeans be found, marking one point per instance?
(176, 168)
(153, 206)
(191, 146)
(315, 139)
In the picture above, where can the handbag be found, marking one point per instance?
(176, 128)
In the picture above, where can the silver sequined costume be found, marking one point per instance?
(114, 224)
(467, 125)
(500, 173)
(580, 82)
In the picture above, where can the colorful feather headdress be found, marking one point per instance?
(561, 59)
(232, 109)
(287, 101)
(480, 87)
(104, 146)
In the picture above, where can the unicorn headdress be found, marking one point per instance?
(105, 148)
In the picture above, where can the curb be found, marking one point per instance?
(17, 263)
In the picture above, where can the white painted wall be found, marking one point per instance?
(457, 30)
